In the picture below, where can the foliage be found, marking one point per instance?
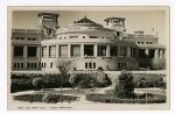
(47, 98)
(125, 86)
(114, 99)
(38, 83)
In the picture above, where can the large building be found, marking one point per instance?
(85, 45)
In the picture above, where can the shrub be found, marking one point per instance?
(54, 98)
(38, 83)
(125, 86)
(47, 98)
(25, 82)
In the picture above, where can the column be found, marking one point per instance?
(25, 52)
(47, 51)
(108, 51)
(38, 52)
(147, 52)
(57, 51)
(156, 53)
(129, 51)
(95, 50)
(161, 53)
(69, 51)
(82, 50)
(25, 56)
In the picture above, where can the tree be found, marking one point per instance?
(125, 86)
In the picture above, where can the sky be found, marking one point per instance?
(135, 20)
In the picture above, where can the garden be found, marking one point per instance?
(94, 87)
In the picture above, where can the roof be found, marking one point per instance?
(85, 20)
(114, 18)
(40, 14)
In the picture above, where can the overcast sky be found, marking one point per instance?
(135, 20)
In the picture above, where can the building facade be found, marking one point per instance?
(85, 45)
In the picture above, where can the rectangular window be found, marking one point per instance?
(93, 36)
(52, 51)
(101, 50)
(75, 50)
(90, 65)
(51, 65)
(72, 37)
(31, 51)
(123, 51)
(44, 51)
(14, 65)
(86, 65)
(28, 65)
(63, 51)
(94, 65)
(35, 65)
(88, 50)
(18, 51)
(44, 65)
(21, 65)
(113, 50)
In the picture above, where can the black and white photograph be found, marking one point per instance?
(88, 58)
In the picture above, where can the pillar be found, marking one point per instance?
(161, 53)
(82, 50)
(129, 51)
(38, 52)
(25, 52)
(47, 51)
(95, 50)
(69, 51)
(108, 51)
(57, 51)
(147, 52)
(25, 57)
(156, 53)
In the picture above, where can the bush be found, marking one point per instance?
(54, 98)
(114, 99)
(82, 80)
(125, 87)
(47, 98)
(38, 83)
(26, 82)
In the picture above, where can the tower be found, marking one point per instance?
(117, 24)
(48, 24)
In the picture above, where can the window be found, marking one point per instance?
(114, 50)
(31, 51)
(21, 65)
(101, 50)
(151, 53)
(88, 50)
(90, 65)
(123, 51)
(52, 51)
(44, 51)
(72, 37)
(142, 42)
(122, 65)
(51, 65)
(75, 50)
(142, 53)
(18, 51)
(86, 65)
(94, 65)
(138, 42)
(84, 36)
(63, 51)
(93, 36)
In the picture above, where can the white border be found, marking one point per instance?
(3, 44)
